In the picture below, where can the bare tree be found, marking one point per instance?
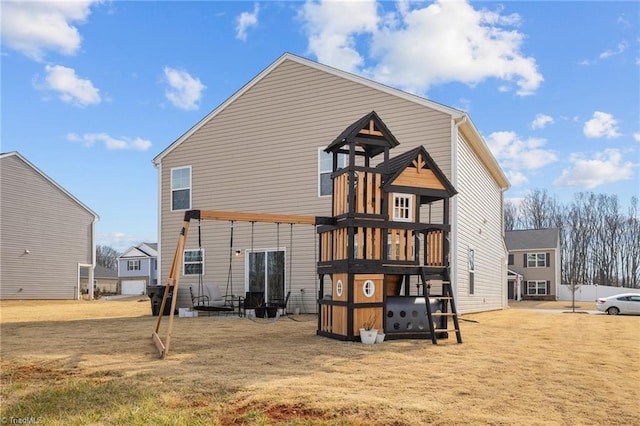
(540, 210)
(510, 215)
(107, 256)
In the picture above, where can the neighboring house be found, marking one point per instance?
(534, 263)
(47, 234)
(262, 150)
(138, 268)
(105, 280)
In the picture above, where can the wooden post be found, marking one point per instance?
(172, 283)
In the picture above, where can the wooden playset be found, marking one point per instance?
(372, 244)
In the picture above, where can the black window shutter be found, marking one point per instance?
(524, 257)
(511, 259)
(548, 259)
(548, 287)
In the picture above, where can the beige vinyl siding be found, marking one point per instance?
(548, 273)
(260, 154)
(479, 226)
(36, 215)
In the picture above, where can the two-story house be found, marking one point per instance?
(48, 235)
(263, 150)
(534, 263)
(138, 268)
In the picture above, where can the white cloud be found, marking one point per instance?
(611, 52)
(419, 46)
(32, 28)
(541, 121)
(246, 20)
(601, 125)
(604, 167)
(516, 178)
(184, 90)
(636, 136)
(71, 88)
(332, 27)
(111, 143)
(515, 153)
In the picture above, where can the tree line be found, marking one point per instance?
(600, 240)
(107, 256)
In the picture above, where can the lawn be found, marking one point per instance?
(94, 362)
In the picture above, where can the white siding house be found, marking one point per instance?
(47, 234)
(262, 151)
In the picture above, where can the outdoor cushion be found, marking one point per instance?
(215, 297)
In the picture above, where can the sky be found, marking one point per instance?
(92, 91)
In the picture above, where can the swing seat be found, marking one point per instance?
(211, 300)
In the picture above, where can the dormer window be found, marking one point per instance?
(402, 208)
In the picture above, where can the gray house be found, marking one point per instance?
(263, 150)
(138, 268)
(47, 234)
(104, 279)
(534, 263)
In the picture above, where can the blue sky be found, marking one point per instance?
(92, 91)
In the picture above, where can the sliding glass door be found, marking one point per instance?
(265, 272)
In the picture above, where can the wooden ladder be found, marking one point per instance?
(448, 308)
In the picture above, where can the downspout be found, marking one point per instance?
(453, 258)
(158, 166)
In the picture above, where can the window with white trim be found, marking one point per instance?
(368, 288)
(181, 188)
(402, 207)
(133, 265)
(472, 270)
(536, 288)
(193, 262)
(325, 168)
(536, 260)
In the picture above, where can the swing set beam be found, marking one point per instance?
(174, 274)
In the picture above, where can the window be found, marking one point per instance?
(369, 288)
(133, 265)
(510, 259)
(402, 207)
(472, 270)
(325, 168)
(181, 188)
(537, 288)
(193, 262)
(536, 260)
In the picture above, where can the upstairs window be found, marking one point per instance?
(536, 260)
(133, 265)
(181, 188)
(325, 168)
(402, 207)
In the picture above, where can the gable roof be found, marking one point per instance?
(141, 250)
(393, 168)
(460, 117)
(370, 131)
(53, 182)
(531, 239)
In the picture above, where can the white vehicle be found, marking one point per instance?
(627, 303)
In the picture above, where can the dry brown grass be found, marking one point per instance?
(516, 366)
